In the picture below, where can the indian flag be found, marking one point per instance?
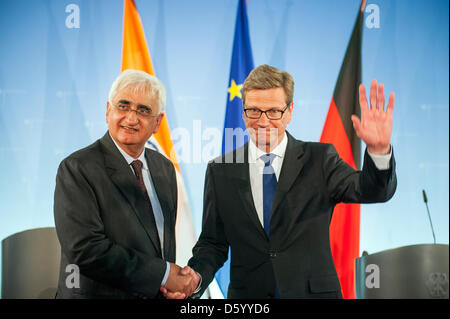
(135, 55)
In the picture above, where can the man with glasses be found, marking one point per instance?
(273, 208)
(116, 202)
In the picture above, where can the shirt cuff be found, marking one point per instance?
(166, 274)
(381, 161)
(199, 284)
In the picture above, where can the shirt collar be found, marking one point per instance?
(255, 153)
(129, 158)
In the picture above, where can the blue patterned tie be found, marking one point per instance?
(269, 186)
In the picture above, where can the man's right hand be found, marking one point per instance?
(181, 282)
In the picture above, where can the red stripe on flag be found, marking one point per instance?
(334, 133)
(344, 227)
(344, 242)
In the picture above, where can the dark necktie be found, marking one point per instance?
(137, 167)
(269, 186)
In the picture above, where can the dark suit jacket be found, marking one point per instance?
(104, 226)
(297, 258)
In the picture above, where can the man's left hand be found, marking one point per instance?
(375, 126)
(195, 280)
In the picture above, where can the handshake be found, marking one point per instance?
(181, 283)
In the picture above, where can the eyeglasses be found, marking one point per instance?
(272, 114)
(141, 111)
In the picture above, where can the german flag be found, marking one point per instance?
(338, 130)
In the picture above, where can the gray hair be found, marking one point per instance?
(140, 81)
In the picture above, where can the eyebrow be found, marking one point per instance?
(128, 103)
(257, 108)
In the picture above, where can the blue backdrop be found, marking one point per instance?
(55, 78)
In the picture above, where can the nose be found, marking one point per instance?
(132, 117)
(263, 121)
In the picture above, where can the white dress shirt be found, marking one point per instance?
(156, 206)
(256, 167)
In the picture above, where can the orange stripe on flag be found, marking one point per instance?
(135, 55)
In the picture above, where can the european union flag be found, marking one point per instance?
(241, 65)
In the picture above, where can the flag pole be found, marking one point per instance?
(363, 5)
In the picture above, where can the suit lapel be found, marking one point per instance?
(241, 175)
(124, 179)
(294, 160)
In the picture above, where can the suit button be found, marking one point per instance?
(272, 254)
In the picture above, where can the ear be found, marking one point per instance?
(289, 112)
(158, 122)
(108, 110)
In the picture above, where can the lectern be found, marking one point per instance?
(410, 272)
(30, 264)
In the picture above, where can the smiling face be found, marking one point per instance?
(129, 130)
(265, 133)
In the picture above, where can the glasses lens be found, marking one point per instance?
(274, 114)
(253, 113)
(122, 107)
(141, 111)
(146, 112)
